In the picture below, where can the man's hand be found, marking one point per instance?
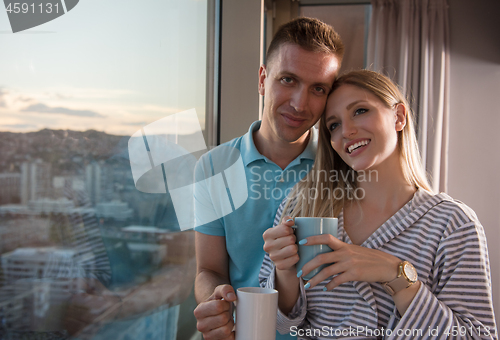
(215, 315)
(279, 243)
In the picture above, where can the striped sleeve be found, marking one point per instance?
(267, 280)
(267, 265)
(458, 305)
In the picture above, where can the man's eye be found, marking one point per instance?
(360, 111)
(319, 89)
(287, 80)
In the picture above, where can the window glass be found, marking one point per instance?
(84, 249)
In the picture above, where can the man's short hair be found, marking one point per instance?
(310, 34)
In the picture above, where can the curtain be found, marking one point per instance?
(408, 41)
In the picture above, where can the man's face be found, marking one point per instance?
(296, 83)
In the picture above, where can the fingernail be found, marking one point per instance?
(302, 242)
(325, 289)
(289, 220)
(299, 274)
(230, 295)
(307, 285)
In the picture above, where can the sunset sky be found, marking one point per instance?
(112, 66)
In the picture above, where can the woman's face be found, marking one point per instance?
(364, 132)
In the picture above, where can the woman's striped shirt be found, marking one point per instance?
(445, 242)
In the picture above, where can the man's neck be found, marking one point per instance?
(280, 152)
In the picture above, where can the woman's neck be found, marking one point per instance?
(386, 187)
(380, 194)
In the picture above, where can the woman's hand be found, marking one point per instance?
(279, 243)
(349, 263)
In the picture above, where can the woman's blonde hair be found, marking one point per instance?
(331, 182)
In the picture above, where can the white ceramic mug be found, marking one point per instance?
(256, 311)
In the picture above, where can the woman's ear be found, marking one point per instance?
(400, 115)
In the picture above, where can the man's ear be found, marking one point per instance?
(400, 116)
(262, 78)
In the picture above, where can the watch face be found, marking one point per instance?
(410, 272)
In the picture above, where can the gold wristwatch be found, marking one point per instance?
(407, 275)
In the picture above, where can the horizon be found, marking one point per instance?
(73, 130)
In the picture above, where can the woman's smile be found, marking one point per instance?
(356, 146)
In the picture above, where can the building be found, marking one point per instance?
(99, 182)
(117, 210)
(57, 266)
(15, 308)
(10, 188)
(36, 181)
(93, 183)
(61, 183)
(17, 210)
(23, 232)
(50, 206)
(38, 284)
(163, 245)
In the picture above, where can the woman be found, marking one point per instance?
(392, 227)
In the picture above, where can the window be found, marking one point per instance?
(73, 91)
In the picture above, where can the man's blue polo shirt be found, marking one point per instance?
(267, 186)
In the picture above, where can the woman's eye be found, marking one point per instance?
(333, 126)
(360, 111)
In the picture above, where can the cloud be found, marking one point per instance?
(18, 126)
(87, 93)
(134, 123)
(42, 108)
(24, 99)
(2, 100)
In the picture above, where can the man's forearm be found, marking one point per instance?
(205, 284)
(287, 284)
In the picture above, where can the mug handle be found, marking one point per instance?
(233, 304)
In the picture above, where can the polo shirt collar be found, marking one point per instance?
(249, 152)
(310, 150)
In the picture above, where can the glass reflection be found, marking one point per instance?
(85, 254)
(83, 251)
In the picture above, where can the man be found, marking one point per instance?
(303, 60)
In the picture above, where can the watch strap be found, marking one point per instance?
(396, 285)
(399, 283)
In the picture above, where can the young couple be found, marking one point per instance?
(405, 259)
